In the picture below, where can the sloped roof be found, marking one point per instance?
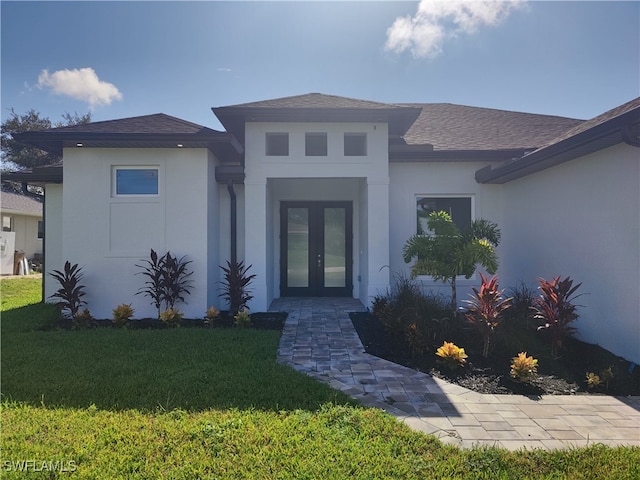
(11, 201)
(618, 125)
(152, 131)
(315, 100)
(157, 123)
(448, 126)
(316, 107)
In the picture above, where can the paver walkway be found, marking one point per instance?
(320, 340)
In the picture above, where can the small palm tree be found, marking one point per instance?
(449, 252)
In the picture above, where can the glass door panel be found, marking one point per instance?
(298, 247)
(335, 252)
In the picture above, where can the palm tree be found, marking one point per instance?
(449, 252)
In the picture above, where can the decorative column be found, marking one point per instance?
(378, 236)
(255, 241)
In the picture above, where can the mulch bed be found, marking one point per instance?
(491, 375)
(259, 321)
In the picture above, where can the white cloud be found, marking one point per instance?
(437, 20)
(81, 84)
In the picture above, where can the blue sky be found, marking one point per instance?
(121, 59)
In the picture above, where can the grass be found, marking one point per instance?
(191, 403)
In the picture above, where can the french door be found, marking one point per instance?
(316, 256)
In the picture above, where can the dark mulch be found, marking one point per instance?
(259, 321)
(555, 376)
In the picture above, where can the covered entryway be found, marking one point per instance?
(316, 249)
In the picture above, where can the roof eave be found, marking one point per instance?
(596, 138)
(426, 154)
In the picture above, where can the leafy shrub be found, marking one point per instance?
(171, 317)
(451, 355)
(522, 298)
(235, 286)
(211, 316)
(595, 381)
(524, 368)
(556, 309)
(71, 291)
(486, 308)
(167, 280)
(243, 319)
(122, 314)
(82, 319)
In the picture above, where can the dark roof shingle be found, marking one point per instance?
(458, 127)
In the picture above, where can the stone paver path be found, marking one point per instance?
(320, 340)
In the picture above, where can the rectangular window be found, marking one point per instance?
(277, 144)
(315, 144)
(40, 229)
(355, 144)
(136, 181)
(459, 208)
(7, 223)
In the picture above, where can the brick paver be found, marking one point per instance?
(320, 340)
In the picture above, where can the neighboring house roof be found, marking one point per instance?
(151, 131)
(20, 203)
(618, 125)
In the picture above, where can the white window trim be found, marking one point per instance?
(114, 181)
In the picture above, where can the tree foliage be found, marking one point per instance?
(25, 156)
(449, 252)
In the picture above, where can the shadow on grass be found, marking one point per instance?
(184, 368)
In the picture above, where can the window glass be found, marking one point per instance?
(459, 208)
(315, 144)
(7, 223)
(40, 229)
(355, 144)
(136, 181)
(277, 144)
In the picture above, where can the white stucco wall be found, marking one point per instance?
(271, 179)
(108, 235)
(580, 219)
(54, 259)
(410, 180)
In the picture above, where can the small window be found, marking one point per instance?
(355, 144)
(459, 208)
(315, 144)
(277, 144)
(136, 181)
(7, 223)
(40, 229)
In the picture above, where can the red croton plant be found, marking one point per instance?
(556, 309)
(486, 308)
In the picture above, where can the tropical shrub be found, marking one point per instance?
(82, 319)
(556, 309)
(167, 280)
(451, 355)
(422, 320)
(595, 381)
(486, 308)
(171, 317)
(235, 286)
(522, 298)
(122, 314)
(71, 291)
(211, 316)
(242, 319)
(523, 368)
(450, 252)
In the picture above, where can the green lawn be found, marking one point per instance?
(207, 403)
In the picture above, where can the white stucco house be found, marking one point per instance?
(319, 193)
(21, 213)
